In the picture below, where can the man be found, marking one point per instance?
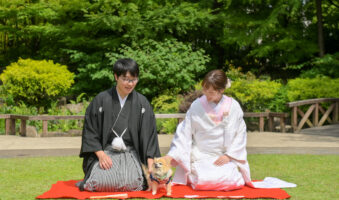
(119, 134)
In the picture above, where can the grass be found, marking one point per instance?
(316, 175)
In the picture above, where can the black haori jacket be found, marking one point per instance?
(100, 116)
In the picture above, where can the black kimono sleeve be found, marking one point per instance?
(148, 131)
(91, 134)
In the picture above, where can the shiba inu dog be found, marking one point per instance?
(161, 176)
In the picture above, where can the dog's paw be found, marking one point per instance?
(169, 194)
(154, 192)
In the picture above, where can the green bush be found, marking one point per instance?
(36, 82)
(278, 103)
(234, 73)
(166, 103)
(320, 66)
(54, 109)
(254, 95)
(164, 65)
(21, 109)
(321, 87)
(2, 126)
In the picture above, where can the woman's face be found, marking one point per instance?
(125, 83)
(212, 95)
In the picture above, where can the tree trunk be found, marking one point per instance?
(320, 29)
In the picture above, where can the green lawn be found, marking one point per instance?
(317, 176)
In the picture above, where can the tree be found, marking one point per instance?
(164, 66)
(320, 29)
(265, 37)
(270, 35)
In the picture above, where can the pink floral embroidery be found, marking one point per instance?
(223, 111)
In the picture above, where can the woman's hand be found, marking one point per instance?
(150, 162)
(171, 161)
(224, 159)
(105, 161)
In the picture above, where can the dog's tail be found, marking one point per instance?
(147, 176)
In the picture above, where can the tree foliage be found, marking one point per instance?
(168, 65)
(264, 37)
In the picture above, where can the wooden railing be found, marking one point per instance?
(10, 122)
(315, 109)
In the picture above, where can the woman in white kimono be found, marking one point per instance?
(209, 147)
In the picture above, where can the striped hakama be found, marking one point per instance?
(124, 175)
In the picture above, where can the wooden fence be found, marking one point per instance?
(10, 120)
(315, 108)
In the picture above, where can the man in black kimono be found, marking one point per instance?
(118, 113)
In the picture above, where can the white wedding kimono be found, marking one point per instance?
(202, 138)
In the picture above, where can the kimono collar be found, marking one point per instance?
(122, 100)
(117, 99)
(217, 115)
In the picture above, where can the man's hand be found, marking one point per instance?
(105, 161)
(224, 159)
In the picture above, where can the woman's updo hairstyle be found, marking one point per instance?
(215, 78)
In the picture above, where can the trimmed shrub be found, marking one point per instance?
(36, 82)
(254, 95)
(321, 87)
(166, 103)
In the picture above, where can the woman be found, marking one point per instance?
(119, 134)
(209, 147)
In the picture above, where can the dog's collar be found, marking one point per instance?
(166, 181)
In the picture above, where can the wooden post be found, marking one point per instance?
(44, 127)
(261, 124)
(336, 112)
(7, 125)
(282, 124)
(294, 119)
(270, 123)
(23, 127)
(316, 115)
(11, 126)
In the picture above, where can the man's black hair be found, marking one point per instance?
(124, 65)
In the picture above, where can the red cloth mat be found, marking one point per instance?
(67, 189)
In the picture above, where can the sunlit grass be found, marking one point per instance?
(316, 175)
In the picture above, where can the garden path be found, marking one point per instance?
(321, 140)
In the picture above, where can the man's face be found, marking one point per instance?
(126, 83)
